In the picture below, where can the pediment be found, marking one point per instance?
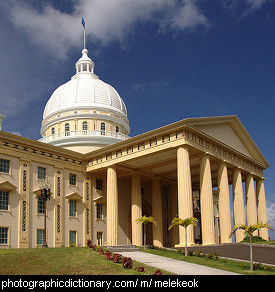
(37, 192)
(99, 200)
(74, 196)
(7, 186)
(230, 131)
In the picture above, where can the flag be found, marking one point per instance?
(83, 22)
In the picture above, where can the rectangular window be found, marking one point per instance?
(99, 183)
(4, 235)
(4, 200)
(72, 208)
(99, 237)
(41, 173)
(72, 238)
(4, 166)
(72, 179)
(99, 214)
(40, 236)
(40, 206)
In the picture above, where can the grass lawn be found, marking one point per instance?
(63, 261)
(223, 264)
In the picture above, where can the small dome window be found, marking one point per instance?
(67, 129)
(85, 127)
(102, 129)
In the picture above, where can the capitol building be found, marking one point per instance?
(100, 180)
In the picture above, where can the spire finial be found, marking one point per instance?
(83, 24)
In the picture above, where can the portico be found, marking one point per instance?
(175, 161)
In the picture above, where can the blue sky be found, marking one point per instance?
(168, 59)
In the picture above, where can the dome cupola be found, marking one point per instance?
(85, 113)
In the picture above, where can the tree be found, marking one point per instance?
(249, 231)
(184, 223)
(144, 220)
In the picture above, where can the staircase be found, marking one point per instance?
(121, 248)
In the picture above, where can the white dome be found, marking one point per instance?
(84, 91)
(85, 113)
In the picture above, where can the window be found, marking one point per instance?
(4, 200)
(117, 129)
(53, 131)
(40, 206)
(67, 129)
(4, 165)
(72, 238)
(99, 183)
(99, 213)
(102, 129)
(72, 179)
(41, 173)
(85, 127)
(40, 236)
(99, 237)
(4, 235)
(72, 208)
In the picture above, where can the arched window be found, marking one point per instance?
(53, 131)
(67, 129)
(102, 129)
(85, 127)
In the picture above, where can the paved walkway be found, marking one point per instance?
(172, 265)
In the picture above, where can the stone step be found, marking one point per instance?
(121, 248)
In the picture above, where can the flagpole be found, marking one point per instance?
(84, 38)
(83, 24)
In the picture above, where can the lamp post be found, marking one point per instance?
(45, 188)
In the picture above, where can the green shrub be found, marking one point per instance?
(210, 256)
(254, 239)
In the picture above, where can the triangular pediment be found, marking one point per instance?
(230, 131)
(7, 186)
(74, 196)
(37, 192)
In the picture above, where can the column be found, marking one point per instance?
(24, 231)
(185, 202)
(58, 196)
(136, 210)
(157, 213)
(112, 206)
(251, 211)
(238, 203)
(87, 207)
(224, 204)
(261, 204)
(174, 213)
(206, 199)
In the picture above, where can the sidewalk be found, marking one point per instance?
(174, 266)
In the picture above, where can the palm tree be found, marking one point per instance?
(249, 231)
(184, 223)
(144, 220)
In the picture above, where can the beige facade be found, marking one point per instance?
(194, 167)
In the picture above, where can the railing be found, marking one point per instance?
(69, 134)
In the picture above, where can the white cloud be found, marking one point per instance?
(108, 20)
(243, 7)
(256, 4)
(270, 209)
(188, 16)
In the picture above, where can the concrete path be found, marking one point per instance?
(174, 266)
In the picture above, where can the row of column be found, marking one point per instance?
(206, 200)
(255, 211)
(136, 210)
